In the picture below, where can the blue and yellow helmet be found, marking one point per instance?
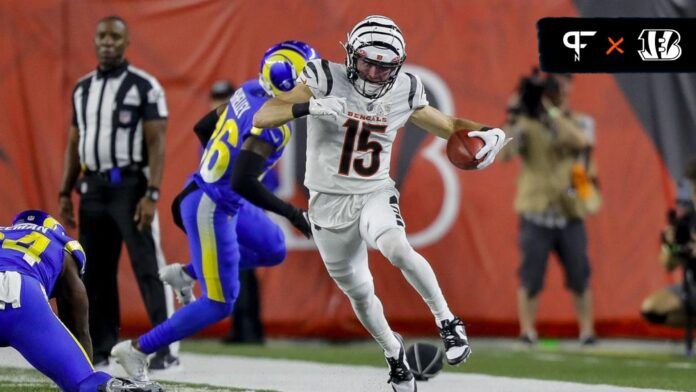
(40, 218)
(282, 64)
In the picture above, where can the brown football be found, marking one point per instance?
(461, 149)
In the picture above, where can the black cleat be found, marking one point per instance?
(453, 336)
(400, 376)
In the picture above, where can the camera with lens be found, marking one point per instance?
(531, 90)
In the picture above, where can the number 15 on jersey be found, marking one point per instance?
(353, 127)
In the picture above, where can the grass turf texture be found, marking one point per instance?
(549, 361)
(29, 380)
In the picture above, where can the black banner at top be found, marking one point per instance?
(609, 45)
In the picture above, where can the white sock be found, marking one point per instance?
(395, 247)
(370, 312)
(389, 343)
(446, 315)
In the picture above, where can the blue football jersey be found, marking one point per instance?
(232, 129)
(37, 251)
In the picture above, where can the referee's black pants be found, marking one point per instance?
(106, 220)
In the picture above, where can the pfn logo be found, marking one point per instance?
(660, 45)
(575, 43)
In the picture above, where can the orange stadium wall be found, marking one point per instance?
(473, 53)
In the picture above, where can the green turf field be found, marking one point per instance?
(549, 361)
(641, 367)
(27, 380)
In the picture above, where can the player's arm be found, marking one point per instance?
(205, 127)
(296, 103)
(437, 123)
(73, 305)
(248, 167)
(284, 107)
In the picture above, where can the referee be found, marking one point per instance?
(116, 141)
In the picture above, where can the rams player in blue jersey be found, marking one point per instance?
(226, 232)
(39, 261)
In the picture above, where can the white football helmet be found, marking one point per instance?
(375, 52)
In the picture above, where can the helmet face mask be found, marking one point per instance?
(375, 71)
(375, 52)
(282, 63)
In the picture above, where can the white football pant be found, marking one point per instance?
(344, 252)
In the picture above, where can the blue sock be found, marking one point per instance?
(185, 322)
(94, 381)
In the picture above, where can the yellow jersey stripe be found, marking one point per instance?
(208, 244)
(284, 129)
(73, 245)
(50, 222)
(220, 122)
(286, 135)
(76, 342)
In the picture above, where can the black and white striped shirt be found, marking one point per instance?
(109, 108)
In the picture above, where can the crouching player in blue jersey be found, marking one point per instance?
(39, 261)
(225, 232)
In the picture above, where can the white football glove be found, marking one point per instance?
(327, 106)
(494, 140)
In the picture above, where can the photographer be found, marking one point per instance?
(667, 306)
(556, 189)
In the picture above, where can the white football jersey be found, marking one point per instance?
(351, 155)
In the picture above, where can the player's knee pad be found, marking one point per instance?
(341, 272)
(353, 284)
(654, 317)
(361, 295)
(395, 247)
(274, 254)
(216, 310)
(93, 382)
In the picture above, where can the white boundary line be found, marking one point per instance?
(302, 376)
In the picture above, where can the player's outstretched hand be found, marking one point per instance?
(327, 106)
(300, 220)
(494, 140)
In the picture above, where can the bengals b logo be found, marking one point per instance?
(660, 45)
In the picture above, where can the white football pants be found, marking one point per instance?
(344, 252)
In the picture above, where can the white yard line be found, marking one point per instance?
(301, 376)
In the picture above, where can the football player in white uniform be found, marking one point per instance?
(354, 113)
